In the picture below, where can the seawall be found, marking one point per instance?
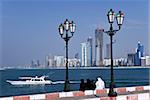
(124, 93)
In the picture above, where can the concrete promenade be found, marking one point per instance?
(124, 93)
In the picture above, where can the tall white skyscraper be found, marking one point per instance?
(108, 51)
(49, 61)
(99, 47)
(90, 51)
(84, 59)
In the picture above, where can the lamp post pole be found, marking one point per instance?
(67, 87)
(66, 37)
(112, 84)
(111, 33)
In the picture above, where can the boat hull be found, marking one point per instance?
(28, 82)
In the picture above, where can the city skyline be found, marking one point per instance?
(30, 28)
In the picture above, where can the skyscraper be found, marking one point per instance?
(90, 51)
(131, 59)
(139, 54)
(84, 59)
(49, 61)
(59, 61)
(32, 63)
(99, 46)
(140, 49)
(108, 51)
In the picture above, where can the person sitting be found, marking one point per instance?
(100, 83)
(93, 86)
(82, 85)
(88, 84)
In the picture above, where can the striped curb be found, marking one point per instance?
(142, 96)
(57, 95)
(102, 91)
(37, 96)
(52, 96)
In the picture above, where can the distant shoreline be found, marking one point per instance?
(122, 67)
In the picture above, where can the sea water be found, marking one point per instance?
(124, 77)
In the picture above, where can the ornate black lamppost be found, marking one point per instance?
(119, 17)
(66, 27)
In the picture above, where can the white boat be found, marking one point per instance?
(30, 81)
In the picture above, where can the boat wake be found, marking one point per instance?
(62, 82)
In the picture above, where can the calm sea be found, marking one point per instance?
(123, 77)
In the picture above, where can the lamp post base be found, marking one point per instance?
(66, 87)
(112, 93)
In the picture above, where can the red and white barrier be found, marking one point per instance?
(146, 87)
(89, 92)
(37, 96)
(101, 91)
(121, 90)
(123, 97)
(53, 96)
(21, 98)
(130, 89)
(108, 98)
(78, 93)
(142, 96)
(65, 94)
(7, 98)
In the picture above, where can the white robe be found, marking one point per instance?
(100, 84)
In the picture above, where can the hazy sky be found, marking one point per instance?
(29, 28)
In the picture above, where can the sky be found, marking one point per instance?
(29, 28)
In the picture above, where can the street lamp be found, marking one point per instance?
(119, 18)
(66, 27)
